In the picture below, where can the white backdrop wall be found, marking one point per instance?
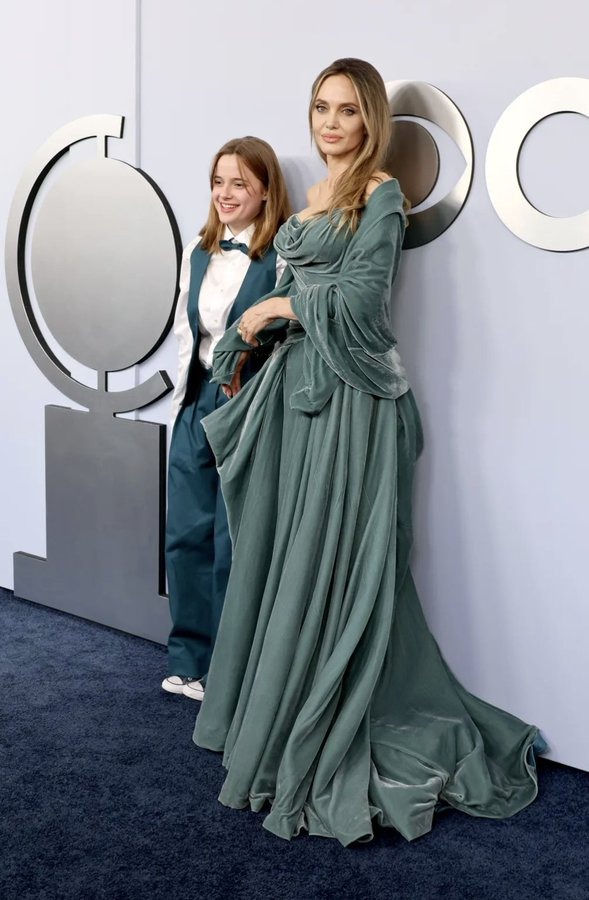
(59, 60)
(492, 331)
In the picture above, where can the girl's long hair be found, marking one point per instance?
(259, 157)
(350, 188)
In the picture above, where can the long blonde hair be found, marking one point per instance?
(260, 159)
(350, 188)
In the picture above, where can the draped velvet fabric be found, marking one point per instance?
(339, 289)
(327, 693)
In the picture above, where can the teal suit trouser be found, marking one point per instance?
(198, 546)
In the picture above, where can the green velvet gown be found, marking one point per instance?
(327, 693)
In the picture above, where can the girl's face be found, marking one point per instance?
(336, 121)
(237, 194)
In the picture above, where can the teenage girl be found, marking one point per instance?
(224, 270)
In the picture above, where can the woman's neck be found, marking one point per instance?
(335, 167)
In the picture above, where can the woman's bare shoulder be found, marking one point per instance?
(376, 179)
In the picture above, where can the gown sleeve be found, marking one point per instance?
(347, 319)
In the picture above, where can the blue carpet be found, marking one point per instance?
(103, 795)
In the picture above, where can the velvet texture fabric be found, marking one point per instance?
(339, 288)
(327, 692)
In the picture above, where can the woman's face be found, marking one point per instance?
(237, 194)
(336, 121)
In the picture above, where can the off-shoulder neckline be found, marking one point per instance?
(320, 215)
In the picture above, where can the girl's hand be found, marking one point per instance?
(230, 390)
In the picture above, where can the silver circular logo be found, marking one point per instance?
(103, 288)
(424, 101)
(562, 234)
(105, 254)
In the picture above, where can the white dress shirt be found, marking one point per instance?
(220, 286)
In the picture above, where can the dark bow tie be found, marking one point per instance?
(234, 245)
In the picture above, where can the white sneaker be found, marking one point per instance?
(193, 689)
(174, 684)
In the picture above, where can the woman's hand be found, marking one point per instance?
(255, 319)
(258, 317)
(230, 390)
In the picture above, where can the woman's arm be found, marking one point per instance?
(347, 319)
(233, 384)
(228, 351)
(259, 316)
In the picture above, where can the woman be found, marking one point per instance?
(327, 692)
(231, 264)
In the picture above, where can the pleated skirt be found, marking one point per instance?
(327, 694)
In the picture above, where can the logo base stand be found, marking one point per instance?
(105, 516)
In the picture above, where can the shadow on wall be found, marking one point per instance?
(300, 173)
(430, 328)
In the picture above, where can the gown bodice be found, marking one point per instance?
(314, 248)
(339, 285)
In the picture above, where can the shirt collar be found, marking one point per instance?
(244, 237)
